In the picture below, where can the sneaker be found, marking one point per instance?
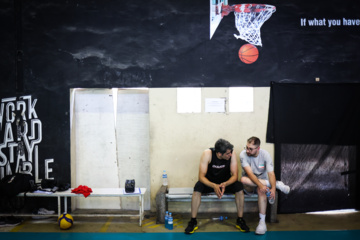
(261, 228)
(2, 221)
(241, 224)
(192, 227)
(282, 187)
(41, 213)
(12, 221)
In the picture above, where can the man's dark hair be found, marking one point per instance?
(254, 140)
(222, 146)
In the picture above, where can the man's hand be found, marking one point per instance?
(219, 190)
(272, 193)
(262, 188)
(222, 187)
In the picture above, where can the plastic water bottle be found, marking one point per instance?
(170, 222)
(271, 200)
(221, 218)
(166, 219)
(165, 179)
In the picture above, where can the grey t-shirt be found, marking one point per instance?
(260, 165)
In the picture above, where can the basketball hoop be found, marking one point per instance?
(248, 20)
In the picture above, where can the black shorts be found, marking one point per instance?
(233, 188)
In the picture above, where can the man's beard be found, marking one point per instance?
(250, 155)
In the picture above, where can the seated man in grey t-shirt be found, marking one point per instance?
(258, 175)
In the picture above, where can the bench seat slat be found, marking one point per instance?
(185, 195)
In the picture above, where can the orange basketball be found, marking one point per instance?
(248, 53)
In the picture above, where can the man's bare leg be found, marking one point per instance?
(248, 182)
(239, 201)
(262, 202)
(195, 203)
(240, 222)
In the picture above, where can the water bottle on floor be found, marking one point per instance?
(170, 222)
(166, 219)
(221, 218)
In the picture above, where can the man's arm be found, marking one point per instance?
(234, 172)
(204, 162)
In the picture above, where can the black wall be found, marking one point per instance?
(160, 43)
(48, 47)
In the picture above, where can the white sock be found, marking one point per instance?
(262, 217)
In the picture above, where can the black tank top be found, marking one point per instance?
(218, 169)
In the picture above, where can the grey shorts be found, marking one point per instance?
(250, 193)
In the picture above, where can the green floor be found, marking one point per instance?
(286, 222)
(273, 235)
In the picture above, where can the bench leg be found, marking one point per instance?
(161, 204)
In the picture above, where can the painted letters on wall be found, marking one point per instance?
(21, 133)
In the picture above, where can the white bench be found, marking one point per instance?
(185, 195)
(97, 192)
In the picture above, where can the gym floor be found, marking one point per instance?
(294, 226)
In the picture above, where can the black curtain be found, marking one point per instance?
(316, 128)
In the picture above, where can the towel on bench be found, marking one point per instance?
(81, 189)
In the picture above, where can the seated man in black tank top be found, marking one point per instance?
(218, 172)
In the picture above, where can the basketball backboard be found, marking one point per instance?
(216, 14)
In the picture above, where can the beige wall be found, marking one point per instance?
(177, 140)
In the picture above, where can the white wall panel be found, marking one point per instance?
(133, 141)
(107, 154)
(96, 164)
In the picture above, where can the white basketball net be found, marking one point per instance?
(248, 20)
